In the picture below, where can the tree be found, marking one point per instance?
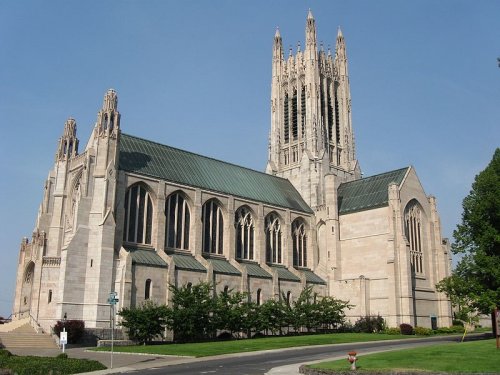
(477, 238)
(145, 322)
(192, 312)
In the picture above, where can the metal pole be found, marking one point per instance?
(64, 342)
(112, 330)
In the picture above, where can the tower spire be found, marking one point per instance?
(310, 36)
(68, 143)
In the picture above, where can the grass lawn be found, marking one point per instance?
(467, 357)
(204, 349)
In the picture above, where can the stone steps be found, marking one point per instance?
(26, 337)
(8, 327)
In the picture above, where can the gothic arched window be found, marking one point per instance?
(213, 227)
(273, 239)
(138, 215)
(299, 240)
(295, 128)
(413, 232)
(28, 274)
(177, 223)
(243, 222)
(147, 289)
(286, 119)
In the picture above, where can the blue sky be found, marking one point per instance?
(196, 75)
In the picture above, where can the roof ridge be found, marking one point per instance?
(204, 156)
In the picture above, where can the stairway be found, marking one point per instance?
(25, 336)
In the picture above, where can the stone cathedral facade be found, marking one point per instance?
(132, 216)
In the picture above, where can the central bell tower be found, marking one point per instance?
(311, 132)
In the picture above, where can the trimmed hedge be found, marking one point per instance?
(406, 329)
(31, 365)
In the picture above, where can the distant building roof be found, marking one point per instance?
(368, 193)
(171, 164)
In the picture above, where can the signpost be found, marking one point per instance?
(112, 300)
(63, 339)
(496, 314)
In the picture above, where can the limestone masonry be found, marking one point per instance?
(132, 216)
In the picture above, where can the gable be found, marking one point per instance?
(167, 163)
(368, 193)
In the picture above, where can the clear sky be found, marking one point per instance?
(196, 75)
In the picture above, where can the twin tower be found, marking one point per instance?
(311, 132)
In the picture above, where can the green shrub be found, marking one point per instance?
(449, 330)
(392, 331)
(422, 331)
(369, 324)
(5, 353)
(62, 356)
(406, 329)
(75, 329)
(31, 365)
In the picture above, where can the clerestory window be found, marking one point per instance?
(138, 215)
(213, 227)
(273, 239)
(177, 223)
(243, 222)
(299, 240)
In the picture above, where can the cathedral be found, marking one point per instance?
(132, 216)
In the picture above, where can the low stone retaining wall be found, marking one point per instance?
(115, 343)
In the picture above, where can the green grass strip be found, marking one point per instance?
(204, 349)
(468, 357)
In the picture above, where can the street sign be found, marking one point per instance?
(63, 340)
(113, 298)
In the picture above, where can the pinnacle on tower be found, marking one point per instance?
(310, 32)
(68, 143)
(278, 45)
(310, 15)
(108, 118)
(110, 100)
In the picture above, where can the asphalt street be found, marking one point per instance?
(279, 361)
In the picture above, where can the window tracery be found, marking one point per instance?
(138, 215)
(299, 240)
(177, 223)
(413, 232)
(273, 239)
(213, 228)
(244, 234)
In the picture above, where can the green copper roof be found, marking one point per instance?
(254, 270)
(312, 278)
(368, 193)
(146, 257)
(164, 162)
(223, 266)
(284, 274)
(188, 263)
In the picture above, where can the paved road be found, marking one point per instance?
(277, 361)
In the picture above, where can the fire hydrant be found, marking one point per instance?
(351, 357)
